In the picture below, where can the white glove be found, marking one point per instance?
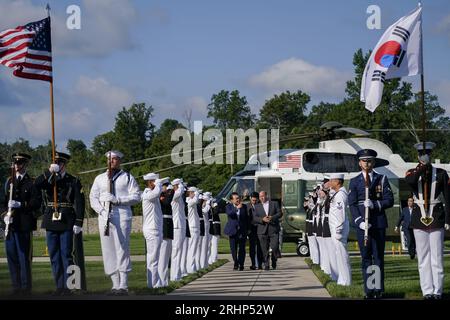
(54, 168)
(14, 204)
(362, 226)
(338, 236)
(214, 205)
(447, 226)
(368, 204)
(77, 229)
(158, 181)
(108, 197)
(8, 219)
(396, 229)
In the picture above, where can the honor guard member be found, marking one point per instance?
(188, 235)
(326, 232)
(166, 246)
(313, 243)
(194, 230)
(215, 231)
(430, 216)
(324, 260)
(318, 217)
(61, 224)
(179, 229)
(380, 199)
(340, 228)
(152, 226)
(206, 206)
(21, 222)
(202, 230)
(115, 243)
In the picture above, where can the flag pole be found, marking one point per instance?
(422, 107)
(52, 113)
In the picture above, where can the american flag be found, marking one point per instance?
(28, 50)
(290, 161)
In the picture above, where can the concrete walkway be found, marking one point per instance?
(291, 279)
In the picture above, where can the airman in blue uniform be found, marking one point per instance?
(380, 197)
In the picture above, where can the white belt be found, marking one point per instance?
(201, 219)
(216, 222)
(167, 216)
(436, 201)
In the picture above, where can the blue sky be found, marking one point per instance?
(175, 54)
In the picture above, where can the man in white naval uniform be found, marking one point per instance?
(179, 230)
(207, 238)
(187, 238)
(194, 228)
(324, 256)
(152, 226)
(339, 228)
(115, 246)
(430, 216)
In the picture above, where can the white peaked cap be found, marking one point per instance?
(337, 176)
(169, 187)
(114, 153)
(177, 181)
(208, 194)
(151, 176)
(193, 189)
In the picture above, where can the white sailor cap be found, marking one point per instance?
(428, 146)
(165, 180)
(193, 189)
(200, 197)
(177, 181)
(151, 176)
(169, 187)
(200, 191)
(114, 153)
(208, 194)
(339, 176)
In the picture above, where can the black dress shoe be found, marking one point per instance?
(113, 292)
(437, 297)
(260, 268)
(369, 296)
(122, 292)
(235, 268)
(274, 265)
(412, 256)
(241, 268)
(428, 297)
(252, 268)
(378, 295)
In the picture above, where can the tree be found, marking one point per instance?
(133, 130)
(230, 111)
(103, 143)
(285, 111)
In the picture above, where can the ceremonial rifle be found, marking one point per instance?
(10, 210)
(109, 204)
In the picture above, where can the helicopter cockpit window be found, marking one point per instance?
(326, 162)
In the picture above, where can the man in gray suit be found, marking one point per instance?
(266, 216)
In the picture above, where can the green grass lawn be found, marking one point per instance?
(98, 282)
(92, 247)
(401, 279)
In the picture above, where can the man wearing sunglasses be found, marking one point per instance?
(377, 200)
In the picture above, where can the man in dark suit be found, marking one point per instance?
(405, 221)
(267, 214)
(236, 229)
(256, 255)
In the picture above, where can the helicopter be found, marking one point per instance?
(289, 177)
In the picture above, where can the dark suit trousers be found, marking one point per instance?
(267, 240)
(410, 241)
(373, 254)
(256, 254)
(237, 246)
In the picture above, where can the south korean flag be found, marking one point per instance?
(397, 54)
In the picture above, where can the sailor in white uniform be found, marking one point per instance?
(123, 194)
(339, 228)
(152, 226)
(179, 229)
(206, 206)
(194, 229)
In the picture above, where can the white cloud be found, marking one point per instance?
(104, 94)
(297, 74)
(105, 25)
(443, 92)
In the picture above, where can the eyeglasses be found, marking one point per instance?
(367, 160)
